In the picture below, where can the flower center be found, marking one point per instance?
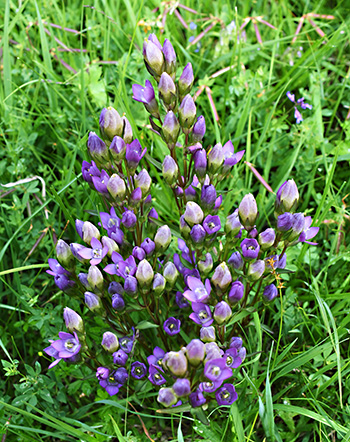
(157, 377)
(211, 225)
(225, 395)
(203, 314)
(97, 253)
(216, 371)
(229, 360)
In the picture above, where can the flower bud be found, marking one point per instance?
(134, 154)
(130, 286)
(287, 198)
(193, 213)
(111, 124)
(154, 59)
(115, 287)
(222, 312)
(92, 301)
(144, 273)
(207, 334)
(208, 196)
(185, 229)
(144, 181)
(170, 58)
(206, 265)
(73, 320)
(176, 362)
(236, 261)
(120, 357)
(200, 163)
(182, 387)
(187, 113)
(162, 238)
(138, 253)
(195, 352)
(148, 246)
(117, 149)
(270, 292)
(167, 90)
(198, 129)
(267, 239)
(170, 170)
(95, 278)
(129, 219)
(158, 284)
(222, 277)
(127, 134)
(256, 270)
(215, 158)
(186, 80)
(97, 148)
(236, 292)
(285, 222)
(233, 224)
(146, 96)
(118, 302)
(110, 342)
(111, 244)
(170, 129)
(298, 226)
(166, 397)
(135, 197)
(198, 234)
(89, 231)
(197, 399)
(248, 211)
(116, 187)
(84, 281)
(64, 255)
(170, 273)
(212, 351)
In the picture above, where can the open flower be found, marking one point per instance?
(226, 395)
(67, 347)
(198, 291)
(172, 326)
(201, 314)
(96, 253)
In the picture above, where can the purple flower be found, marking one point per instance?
(120, 267)
(299, 102)
(232, 358)
(256, 270)
(118, 302)
(73, 320)
(248, 211)
(186, 81)
(198, 291)
(200, 162)
(89, 170)
(233, 224)
(250, 248)
(102, 373)
(138, 253)
(212, 351)
(195, 352)
(115, 380)
(117, 148)
(207, 334)
(182, 387)
(267, 238)
(181, 301)
(130, 285)
(60, 275)
(236, 292)
(236, 342)
(66, 347)
(110, 342)
(197, 399)
(208, 196)
(133, 154)
(96, 254)
(222, 277)
(216, 370)
(210, 386)
(231, 158)
(92, 301)
(146, 96)
(172, 326)
(110, 123)
(101, 182)
(236, 261)
(226, 395)
(287, 197)
(110, 221)
(127, 342)
(156, 357)
(97, 148)
(176, 362)
(166, 397)
(212, 224)
(197, 234)
(129, 219)
(120, 357)
(138, 370)
(308, 232)
(270, 292)
(285, 222)
(222, 312)
(154, 375)
(201, 314)
(148, 246)
(206, 265)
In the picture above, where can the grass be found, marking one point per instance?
(294, 384)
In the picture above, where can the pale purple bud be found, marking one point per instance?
(285, 222)
(215, 158)
(111, 124)
(185, 229)
(256, 270)
(97, 148)
(222, 312)
(118, 302)
(117, 148)
(206, 265)
(64, 255)
(198, 129)
(287, 197)
(170, 58)
(73, 321)
(170, 273)
(195, 352)
(176, 362)
(154, 59)
(127, 134)
(90, 231)
(248, 211)
(170, 128)
(167, 397)
(144, 273)
(198, 234)
(120, 357)
(130, 286)
(207, 334)
(267, 239)
(95, 278)
(158, 284)
(200, 163)
(162, 238)
(221, 278)
(233, 224)
(193, 213)
(144, 181)
(116, 187)
(186, 80)
(111, 244)
(270, 292)
(236, 292)
(170, 170)
(92, 301)
(148, 246)
(135, 197)
(236, 261)
(129, 219)
(187, 113)
(167, 89)
(138, 253)
(182, 387)
(110, 342)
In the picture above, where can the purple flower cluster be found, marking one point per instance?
(127, 262)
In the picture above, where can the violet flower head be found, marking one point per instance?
(216, 370)
(110, 221)
(182, 387)
(155, 376)
(308, 232)
(201, 314)
(197, 399)
(208, 196)
(156, 357)
(129, 219)
(198, 292)
(120, 357)
(222, 312)
(197, 234)
(226, 395)
(66, 347)
(195, 352)
(236, 261)
(186, 80)
(118, 302)
(176, 362)
(300, 102)
(172, 326)
(117, 149)
(110, 342)
(199, 129)
(250, 248)
(138, 370)
(181, 301)
(287, 197)
(111, 384)
(167, 397)
(111, 124)
(285, 222)
(96, 253)
(102, 373)
(146, 96)
(236, 292)
(233, 359)
(89, 170)
(207, 334)
(270, 292)
(231, 158)
(248, 211)
(97, 148)
(101, 183)
(133, 154)
(200, 163)
(221, 278)
(212, 224)
(127, 342)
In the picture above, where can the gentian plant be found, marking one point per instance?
(167, 303)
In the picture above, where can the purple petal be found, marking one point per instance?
(110, 268)
(95, 243)
(85, 253)
(65, 336)
(55, 362)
